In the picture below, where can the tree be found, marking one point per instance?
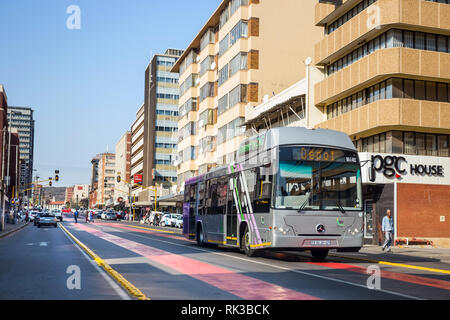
(84, 203)
(68, 204)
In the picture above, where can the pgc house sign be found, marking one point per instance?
(386, 168)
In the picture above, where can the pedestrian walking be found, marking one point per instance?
(75, 215)
(91, 216)
(388, 229)
(87, 217)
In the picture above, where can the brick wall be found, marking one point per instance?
(253, 60)
(419, 209)
(252, 92)
(253, 27)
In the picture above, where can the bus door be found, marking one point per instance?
(192, 208)
(232, 212)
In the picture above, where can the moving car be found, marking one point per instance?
(110, 215)
(47, 219)
(57, 214)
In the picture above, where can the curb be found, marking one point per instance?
(113, 273)
(3, 235)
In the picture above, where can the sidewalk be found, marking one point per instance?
(11, 228)
(421, 256)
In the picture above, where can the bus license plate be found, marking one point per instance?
(321, 242)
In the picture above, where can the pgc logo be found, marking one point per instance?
(390, 166)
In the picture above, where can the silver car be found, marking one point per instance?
(47, 219)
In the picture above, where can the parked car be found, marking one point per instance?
(47, 219)
(32, 215)
(119, 215)
(179, 222)
(57, 214)
(98, 214)
(168, 220)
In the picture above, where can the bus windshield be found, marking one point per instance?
(311, 178)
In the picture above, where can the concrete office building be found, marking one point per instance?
(244, 54)
(22, 119)
(387, 85)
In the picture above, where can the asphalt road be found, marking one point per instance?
(34, 265)
(165, 266)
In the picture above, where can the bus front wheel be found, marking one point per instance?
(319, 254)
(245, 240)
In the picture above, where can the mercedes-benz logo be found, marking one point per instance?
(320, 228)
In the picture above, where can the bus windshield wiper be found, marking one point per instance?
(340, 206)
(304, 203)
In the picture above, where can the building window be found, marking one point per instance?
(223, 75)
(409, 145)
(207, 91)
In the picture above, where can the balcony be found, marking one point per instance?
(418, 14)
(400, 114)
(380, 65)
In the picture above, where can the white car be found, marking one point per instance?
(169, 219)
(179, 222)
(57, 214)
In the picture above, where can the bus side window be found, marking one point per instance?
(201, 199)
(263, 192)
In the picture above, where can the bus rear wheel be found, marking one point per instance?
(319, 254)
(245, 241)
(200, 237)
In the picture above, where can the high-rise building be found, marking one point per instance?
(247, 51)
(137, 150)
(387, 85)
(68, 195)
(106, 178)
(123, 168)
(22, 119)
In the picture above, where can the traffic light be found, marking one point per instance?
(50, 184)
(118, 179)
(56, 178)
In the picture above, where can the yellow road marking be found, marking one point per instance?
(414, 267)
(119, 278)
(408, 266)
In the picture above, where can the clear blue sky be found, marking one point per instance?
(86, 85)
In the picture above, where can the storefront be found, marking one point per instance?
(415, 188)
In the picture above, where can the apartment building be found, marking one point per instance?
(387, 85)
(22, 119)
(106, 176)
(123, 168)
(247, 51)
(68, 195)
(137, 150)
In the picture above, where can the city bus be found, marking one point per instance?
(289, 189)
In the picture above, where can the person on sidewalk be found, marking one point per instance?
(75, 215)
(388, 229)
(87, 217)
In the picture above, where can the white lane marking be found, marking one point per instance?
(280, 267)
(43, 244)
(120, 292)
